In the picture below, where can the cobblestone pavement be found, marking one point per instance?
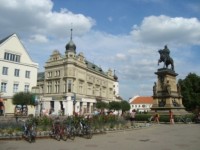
(156, 137)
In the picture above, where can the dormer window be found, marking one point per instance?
(11, 57)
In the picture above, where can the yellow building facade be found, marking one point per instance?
(71, 83)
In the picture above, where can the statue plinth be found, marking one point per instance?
(164, 71)
(167, 95)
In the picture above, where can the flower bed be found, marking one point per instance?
(100, 124)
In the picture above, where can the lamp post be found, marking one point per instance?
(74, 101)
(40, 103)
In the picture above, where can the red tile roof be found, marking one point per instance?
(143, 100)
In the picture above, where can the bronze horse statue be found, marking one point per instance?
(166, 59)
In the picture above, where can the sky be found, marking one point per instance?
(122, 35)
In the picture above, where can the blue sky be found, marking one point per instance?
(123, 35)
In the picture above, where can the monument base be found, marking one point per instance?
(166, 94)
(165, 111)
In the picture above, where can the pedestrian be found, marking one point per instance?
(156, 117)
(132, 116)
(171, 117)
(1, 106)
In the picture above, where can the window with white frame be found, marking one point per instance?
(12, 57)
(16, 73)
(26, 88)
(97, 93)
(49, 74)
(3, 86)
(57, 86)
(81, 87)
(49, 87)
(89, 88)
(27, 74)
(69, 85)
(65, 86)
(5, 71)
(15, 87)
(57, 73)
(103, 92)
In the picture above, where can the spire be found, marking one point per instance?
(70, 47)
(115, 76)
(71, 34)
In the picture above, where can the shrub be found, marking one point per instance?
(145, 117)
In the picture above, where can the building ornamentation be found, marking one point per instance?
(77, 79)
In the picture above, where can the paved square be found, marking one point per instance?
(156, 137)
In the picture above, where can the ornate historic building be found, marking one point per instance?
(71, 83)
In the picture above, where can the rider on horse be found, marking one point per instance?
(165, 57)
(166, 53)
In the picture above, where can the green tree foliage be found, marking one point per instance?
(23, 98)
(114, 105)
(101, 105)
(125, 106)
(190, 90)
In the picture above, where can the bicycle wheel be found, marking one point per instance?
(57, 136)
(78, 131)
(64, 137)
(29, 137)
(72, 133)
(88, 133)
(188, 120)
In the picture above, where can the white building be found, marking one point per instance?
(141, 103)
(17, 71)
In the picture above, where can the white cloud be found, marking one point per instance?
(164, 29)
(38, 38)
(121, 56)
(29, 17)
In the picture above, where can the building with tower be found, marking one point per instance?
(71, 83)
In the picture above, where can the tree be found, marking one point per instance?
(23, 99)
(190, 90)
(101, 105)
(114, 105)
(125, 106)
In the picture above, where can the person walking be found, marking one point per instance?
(171, 117)
(156, 117)
(1, 106)
(132, 117)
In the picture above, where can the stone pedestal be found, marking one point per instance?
(166, 93)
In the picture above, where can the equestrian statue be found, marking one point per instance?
(165, 57)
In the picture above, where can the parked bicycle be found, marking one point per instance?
(70, 131)
(29, 132)
(183, 119)
(84, 129)
(58, 132)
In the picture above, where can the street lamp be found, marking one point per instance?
(40, 103)
(74, 101)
